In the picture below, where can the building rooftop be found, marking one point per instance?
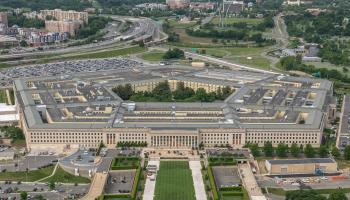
(86, 99)
(301, 161)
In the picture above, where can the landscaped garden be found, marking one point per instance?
(174, 181)
(163, 93)
(120, 163)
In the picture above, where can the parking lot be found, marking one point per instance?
(226, 176)
(120, 181)
(315, 182)
(65, 68)
(61, 191)
(29, 162)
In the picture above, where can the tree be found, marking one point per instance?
(268, 149)
(52, 185)
(323, 151)
(254, 148)
(282, 150)
(347, 153)
(23, 43)
(24, 195)
(174, 54)
(304, 195)
(335, 152)
(309, 151)
(338, 195)
(124, 92)
(294, 150)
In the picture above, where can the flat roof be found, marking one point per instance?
(86, 100)
(301, 161)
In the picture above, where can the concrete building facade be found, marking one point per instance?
(301, 166)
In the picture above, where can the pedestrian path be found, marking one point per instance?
(196, 167)
(250, 183)
(150, 185)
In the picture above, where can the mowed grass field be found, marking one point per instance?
(174, 181)
(233, 20)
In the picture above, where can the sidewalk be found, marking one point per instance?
(198, 180)
(150, 185)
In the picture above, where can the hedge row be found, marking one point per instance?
(236, 194)
(112, 196)
(212, 184)
(237, 188)
(135, 183)
(222, 163)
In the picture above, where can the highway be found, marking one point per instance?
(142, 29)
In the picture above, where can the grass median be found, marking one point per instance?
(174, 181)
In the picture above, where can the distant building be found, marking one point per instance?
(3, 18)
(40, 38)
(8, 41)
(297, 2)
(7, 154)
(301, 166)
(61, 15)
(152, 6)
(232, 7)
(202, 5)
(90, 10)
(63, 26)
(176, 4)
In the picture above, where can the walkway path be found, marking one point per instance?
(150, 185)
(97, 185)
(250, 183)
(53, 173)
(198, 180)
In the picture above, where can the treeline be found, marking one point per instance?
(96, 24)
(163, 93)
(262, 26)
(12, 132)
(283, 150)
(227, 34)
(47, 4)
(294, 63)
(315, 28)
(315, 195)
(24, 22)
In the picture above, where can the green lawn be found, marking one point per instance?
(111, 53)
(153, 56)
(62, 176)
(174, 181)
(3, 96)
(252, 21)
(24, 176)
(120, 163)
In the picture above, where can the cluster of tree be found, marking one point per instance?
(174, 54)
(93, 28)
(172, 36)
(335, 52)
(22, 21)
(266, 23)
(282, 150)
(162, 93)
(46, 4)
(314, 28)
(313, 195)
(294, 63)
(227, 34)
(12, 132)
(132, 144)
